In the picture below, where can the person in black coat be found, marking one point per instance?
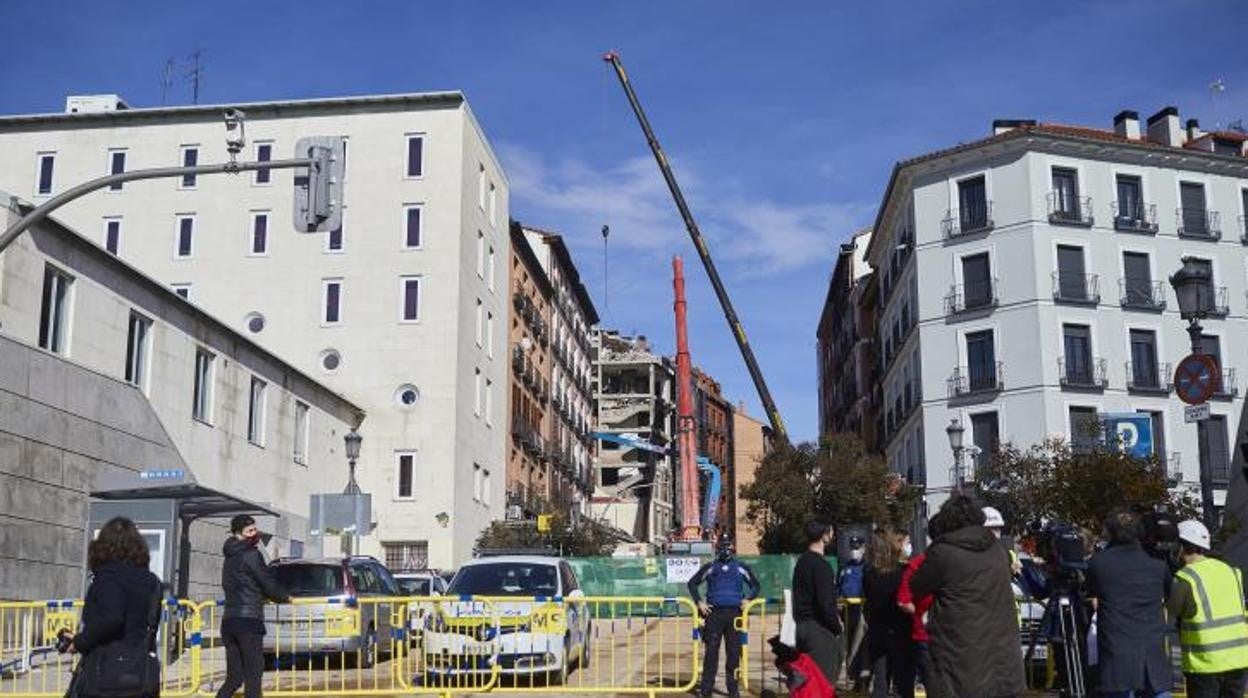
(1130, 587)
(890, 646)
(248, 583)
(119, 602)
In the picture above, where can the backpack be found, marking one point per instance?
(122, 669)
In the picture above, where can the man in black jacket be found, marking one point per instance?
(248, 583)
(814, 603)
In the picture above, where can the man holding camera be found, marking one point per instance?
(1207, 600)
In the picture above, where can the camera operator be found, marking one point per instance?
(1057, 579)
(1129, 586)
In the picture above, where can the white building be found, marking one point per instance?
(1023, 289)
(382, 309)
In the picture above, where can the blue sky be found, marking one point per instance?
(783, 119)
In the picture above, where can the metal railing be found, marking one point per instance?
(1221, 302)
(969, 297)
(1135, 216)
(1227, 387)
(1199, 223)
(1068, 210)
(968, 220)
(976, 379)
(1076, 287)
(1149, 377)
(1082, 372)
(1142, 294)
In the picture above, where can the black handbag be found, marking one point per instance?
(121, 669)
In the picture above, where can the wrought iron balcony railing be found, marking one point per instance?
(1076, 287)
(1070, 210)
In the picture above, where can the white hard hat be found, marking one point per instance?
(1194, 533)
(993, 518)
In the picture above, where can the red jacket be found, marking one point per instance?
(816, 685)
(918, 632)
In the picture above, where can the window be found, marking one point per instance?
(1211, 345)
(1206, 265)
(54, 314)
(1130, 208)
(332, 297)
(480, 254)
(1158, 420)
(480, 323)
(333, 241)
(259, 233)
(116, 165)
(489, 334)
(1085, 428)
(183, 290)
(47, 161)
(410, 289)
(415, 156)
(255, 412)
(485, 487)
(493, 204)
(977, 281)
(1078, 366)
(986, 435)
(301, 433)
(411, 227)
(1193, 213)
(404, 481)
(973, 204)
(489, 269)
(1145, 373)
(1215, 454)
(478, 482)
(1065, 197)
(981, 360)
(489, 402)
(136, 349)
(481, 186)
(264, 153)
(1072, 282)
(190, 158)
(331, 359)
(1138, 280)
(401, 557)
(112, 234)
(202, 407)
(476, 390)
(344, 158)
(185, 243)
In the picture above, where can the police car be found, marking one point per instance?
(523, 614)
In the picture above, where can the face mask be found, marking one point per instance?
(724, 555)
(856, 555)
(996, 532)
(253, 538)
(907, 550)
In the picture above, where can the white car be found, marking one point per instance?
(523, 614)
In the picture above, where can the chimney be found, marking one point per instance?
(1193, 130)
(1127, 124)
(1163, 127)
(1000, 126)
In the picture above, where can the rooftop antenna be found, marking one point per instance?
(606, 298)
(195, 74)
(1217, 87)
(166, 80)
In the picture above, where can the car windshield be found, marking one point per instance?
(506, 579)
(414, 587)
(310, 580)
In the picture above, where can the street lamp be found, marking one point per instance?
(352, 442)
(1193, 286)
(956, 431)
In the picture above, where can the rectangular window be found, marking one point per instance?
(112, 234)
(333, 241)
(493, 204)
(1130, 199)
(489, 269)
(973, 204)
(485, 487)
(301, 433)
(415, 156)
(1145, 372)
(1072, 282)
(476, 390)
(54, 314)
(481, 186)
(185, 243)
(411, 227)
(190, 158)
(1194, 214)
(264, 153)
(332, 304)
(489, 334)
(1211, 345)
(183, 290)
(986, 435)
(1137, 279)
(981, 360)
(404, 485)
(410, 289)
(1158, 420)
(255, 412)
(1215, 454)
(489, 402)
(116, 165)
(1077, 351)
(136, 349)
(480, 254)
(259, 233)
(47, 161)
(1085, 428)
(477, 482)
(480, 323)
(201, 409)
(404, 557)
(1210, 301)
(1065, 193)
(977, 280)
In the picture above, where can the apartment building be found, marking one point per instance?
(1023, 290)
(634, 390)
(107, 374)
(712, 414)
(383, 309)
(752, 441)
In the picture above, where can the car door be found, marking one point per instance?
(576, 608)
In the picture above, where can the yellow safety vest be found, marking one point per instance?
(1215, 640)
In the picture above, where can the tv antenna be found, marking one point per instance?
(1217, 87)
(195, 74)
(606, 298)
(166, 80)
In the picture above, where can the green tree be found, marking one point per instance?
(582, 538)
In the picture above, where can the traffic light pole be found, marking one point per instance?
(42, 211)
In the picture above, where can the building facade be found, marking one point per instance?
(106, 372)
(750, 444)
(382, 309)
(713, 416)
(634, 389)
(1050, 246)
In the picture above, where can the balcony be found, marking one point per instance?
(1227, 388)
(1142, 294)
(1135, 217)
(1076, 287)
(1221, 303)
(978, 380)
(518, 359)
(966, 221)
(1083, 373)
(1149, 378)
(1067, 210)
(971, 297)
(1172, 467)
(1199, 224)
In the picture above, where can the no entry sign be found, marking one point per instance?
(1197, 378)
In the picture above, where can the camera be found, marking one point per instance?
(235, 133)
(64, 638)
(1062, 545)
(1161, 537)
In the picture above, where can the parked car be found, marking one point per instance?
(543, 632)
(422, 583)
(347, 623)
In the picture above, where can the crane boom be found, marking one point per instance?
(734, 323)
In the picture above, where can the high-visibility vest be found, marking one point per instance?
(1215, 640)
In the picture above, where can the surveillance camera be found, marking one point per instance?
(235, 132)
(234, 117)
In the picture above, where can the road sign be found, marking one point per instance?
(1130, 432)
(1196, 413)
(1197, 378)
(543, 523)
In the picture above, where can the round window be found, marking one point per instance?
(407, 395)
(331, 360)
(254, 322)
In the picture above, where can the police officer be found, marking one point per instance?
(1207, 600)
(724, 576)
(851, 590)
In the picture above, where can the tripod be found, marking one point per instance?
(1064, 608)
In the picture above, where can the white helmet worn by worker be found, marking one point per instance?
(993, 518)
(1194, 533)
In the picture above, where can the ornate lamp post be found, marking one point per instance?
(956, 431)
(352, 442)
(1194, 289)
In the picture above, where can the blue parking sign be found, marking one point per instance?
(1130, 432)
